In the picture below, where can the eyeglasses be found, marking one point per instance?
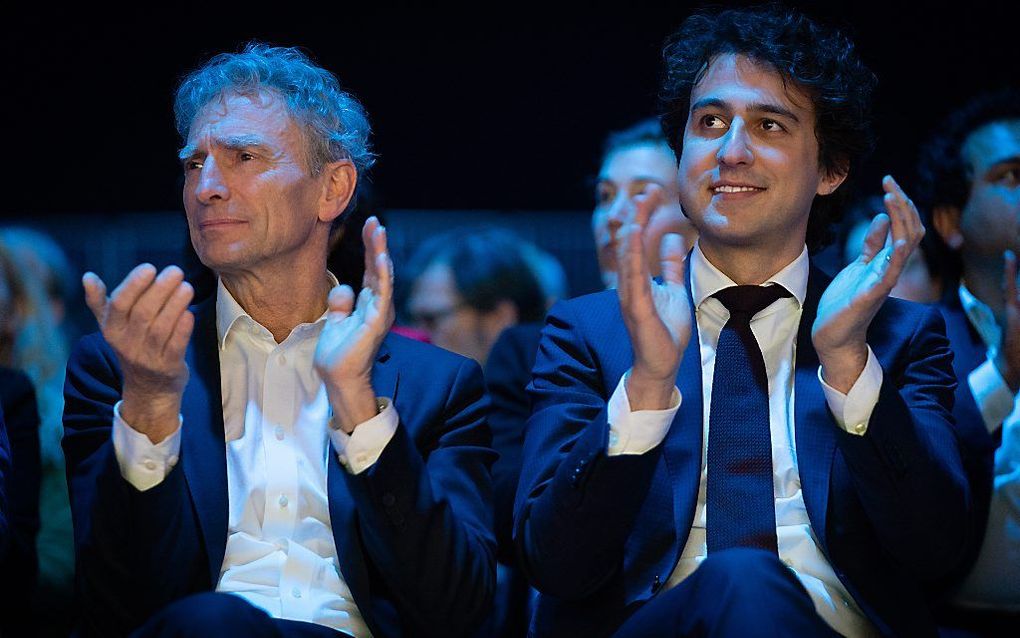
(428, 320)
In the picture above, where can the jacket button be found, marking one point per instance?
(656, 584)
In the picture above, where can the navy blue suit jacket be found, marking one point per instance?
(977, 446)
(413, 533)
(507, 375)
(599, 535)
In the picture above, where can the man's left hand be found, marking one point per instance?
(354, 331)
(854, 297)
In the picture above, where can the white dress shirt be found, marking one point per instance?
(994, 580)
(775, 329)
(280, 552)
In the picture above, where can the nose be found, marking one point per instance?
(735, 146)
(617, 214)
(211, 185)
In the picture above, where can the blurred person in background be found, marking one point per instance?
(469, 286)
(49, 287)
(476, 292)
(19, 561)
(632, 160)
(919, 280)
(969, 187)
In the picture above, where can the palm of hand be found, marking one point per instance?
(347, 345)
(850, 301)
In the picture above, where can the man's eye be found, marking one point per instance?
(245, 156)
(1010, 177)
(771, 125)
(712, 121)
(192, 165)
(603, 196)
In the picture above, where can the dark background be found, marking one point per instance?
(477, 108)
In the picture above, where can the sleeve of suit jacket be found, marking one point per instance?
(907, 470)
(575, 504)
(122, 536)
(424, 507)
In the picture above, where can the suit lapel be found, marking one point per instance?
(684, 440)
(203, 448)
(342, 514)
(814, 425)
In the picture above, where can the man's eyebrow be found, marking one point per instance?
(710, 102)
(231, 142)
(754, 107)
(1013, 159)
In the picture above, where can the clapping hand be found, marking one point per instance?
(354, 330)
(657, 315)
(147, 323)
(854, 297)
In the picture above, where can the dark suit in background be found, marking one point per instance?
(600, 534)
(507, 375)
(413, 533)
(19, 564)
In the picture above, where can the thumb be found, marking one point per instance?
(341, 302)
(95, 294)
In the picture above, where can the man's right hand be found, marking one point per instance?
(1007, 359)
(657, 316)
(147, 323)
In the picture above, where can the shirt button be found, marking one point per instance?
(150, 464)
(296, 593)
(279, 433)
(860, 428)
(283, 500)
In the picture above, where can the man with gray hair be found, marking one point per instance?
(255, 443)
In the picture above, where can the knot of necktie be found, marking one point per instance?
(744, 302)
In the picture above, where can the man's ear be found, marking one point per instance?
(339, 180)
(946, 219)
(831, 180)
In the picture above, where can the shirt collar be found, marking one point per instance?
(229, 312)
(706, 279)
(981, 317)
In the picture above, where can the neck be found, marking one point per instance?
(279, 301)
(984, 281)
(749, 265)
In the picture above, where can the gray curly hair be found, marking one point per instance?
(334, 123)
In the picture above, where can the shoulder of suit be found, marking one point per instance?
(596, 304)
(404, 350)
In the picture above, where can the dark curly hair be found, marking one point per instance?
(817, 59)
(943, 176)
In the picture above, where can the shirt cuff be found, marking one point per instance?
(853, 409)
(640, 431)
(143, 464)
(359, 450)
(991, 394)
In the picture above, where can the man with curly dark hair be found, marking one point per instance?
(969, 187)
(746, 447)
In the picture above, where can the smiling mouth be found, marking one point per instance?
(726, 188)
